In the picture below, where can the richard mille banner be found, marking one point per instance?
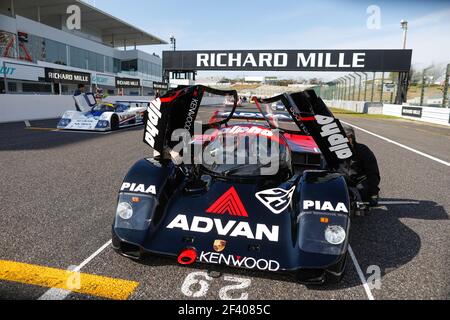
(289, 60)
(66, 76)
(412, 112)
(160, 85)
(128, 83)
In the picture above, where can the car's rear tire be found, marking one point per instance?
(114, 123)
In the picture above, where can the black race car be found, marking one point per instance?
(292, 218)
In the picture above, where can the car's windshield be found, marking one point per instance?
(104, 107)
(121, 107)
(241, 150)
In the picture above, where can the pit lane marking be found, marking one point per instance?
(400, 145)
(67, 131)
(61, 294)
(90, 284)
(41, 129)
(360, 274)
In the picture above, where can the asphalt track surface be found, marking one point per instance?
(58, 197)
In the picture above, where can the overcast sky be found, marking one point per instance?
(291, 24)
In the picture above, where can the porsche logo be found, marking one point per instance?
(219, 245)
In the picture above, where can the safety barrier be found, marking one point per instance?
(425, 114)
(420, 113)
(356, 106)
(15, 107)
(21, 107)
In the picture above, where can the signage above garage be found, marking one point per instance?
(67, 76)
(128, 83)
(20, 71)
(160, 85)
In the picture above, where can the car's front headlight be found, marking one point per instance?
(124, 210)
(102, 124)
(335, 234)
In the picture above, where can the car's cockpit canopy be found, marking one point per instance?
(104, 107)
(246, 150)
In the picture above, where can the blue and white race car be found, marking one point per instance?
(104, 116)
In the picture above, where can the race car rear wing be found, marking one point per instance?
(178, 109)
(312, 116)
(309, 110)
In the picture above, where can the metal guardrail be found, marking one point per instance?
(428, 86)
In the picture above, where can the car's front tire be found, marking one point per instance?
(335, 278)
(114, 123)
(126, 249)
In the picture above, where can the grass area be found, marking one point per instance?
(240, 87)
(414, 91)
(362, 115)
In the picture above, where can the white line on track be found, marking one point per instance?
(398, 202)
(360, 274)
(352, 255)
(60, 294)
(400, 145)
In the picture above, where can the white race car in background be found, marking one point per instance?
(278, 106)
(104, 116)
(229, 101)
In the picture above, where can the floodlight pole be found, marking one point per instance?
(173, 42)
(404, 26)
(403, 77)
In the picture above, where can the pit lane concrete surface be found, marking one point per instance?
(58, 198)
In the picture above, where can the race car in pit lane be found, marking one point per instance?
(291, 218)
(230, 102)
(277, 105)
(104, 116)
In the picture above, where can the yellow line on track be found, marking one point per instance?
(84, 283)
(41, 128)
